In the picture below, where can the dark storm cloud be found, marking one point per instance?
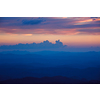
(31, 22)
(94, 17)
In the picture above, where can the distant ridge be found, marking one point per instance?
(48, 80)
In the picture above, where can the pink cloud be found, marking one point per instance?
(50, 25)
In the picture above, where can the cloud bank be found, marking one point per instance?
(50, 25)
(43, 45)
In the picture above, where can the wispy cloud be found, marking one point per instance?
(50, 25)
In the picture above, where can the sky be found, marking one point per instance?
(72, 31)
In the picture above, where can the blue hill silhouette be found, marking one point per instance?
(18, 64)
(48, 80)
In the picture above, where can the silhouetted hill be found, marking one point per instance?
(15, 52)
(50, 63)
(48, 80)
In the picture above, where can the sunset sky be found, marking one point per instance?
(72, 31)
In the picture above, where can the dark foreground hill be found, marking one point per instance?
(77, 65)
(49, 80)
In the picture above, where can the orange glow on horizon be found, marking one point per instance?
(27, 34)
(70, 40)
